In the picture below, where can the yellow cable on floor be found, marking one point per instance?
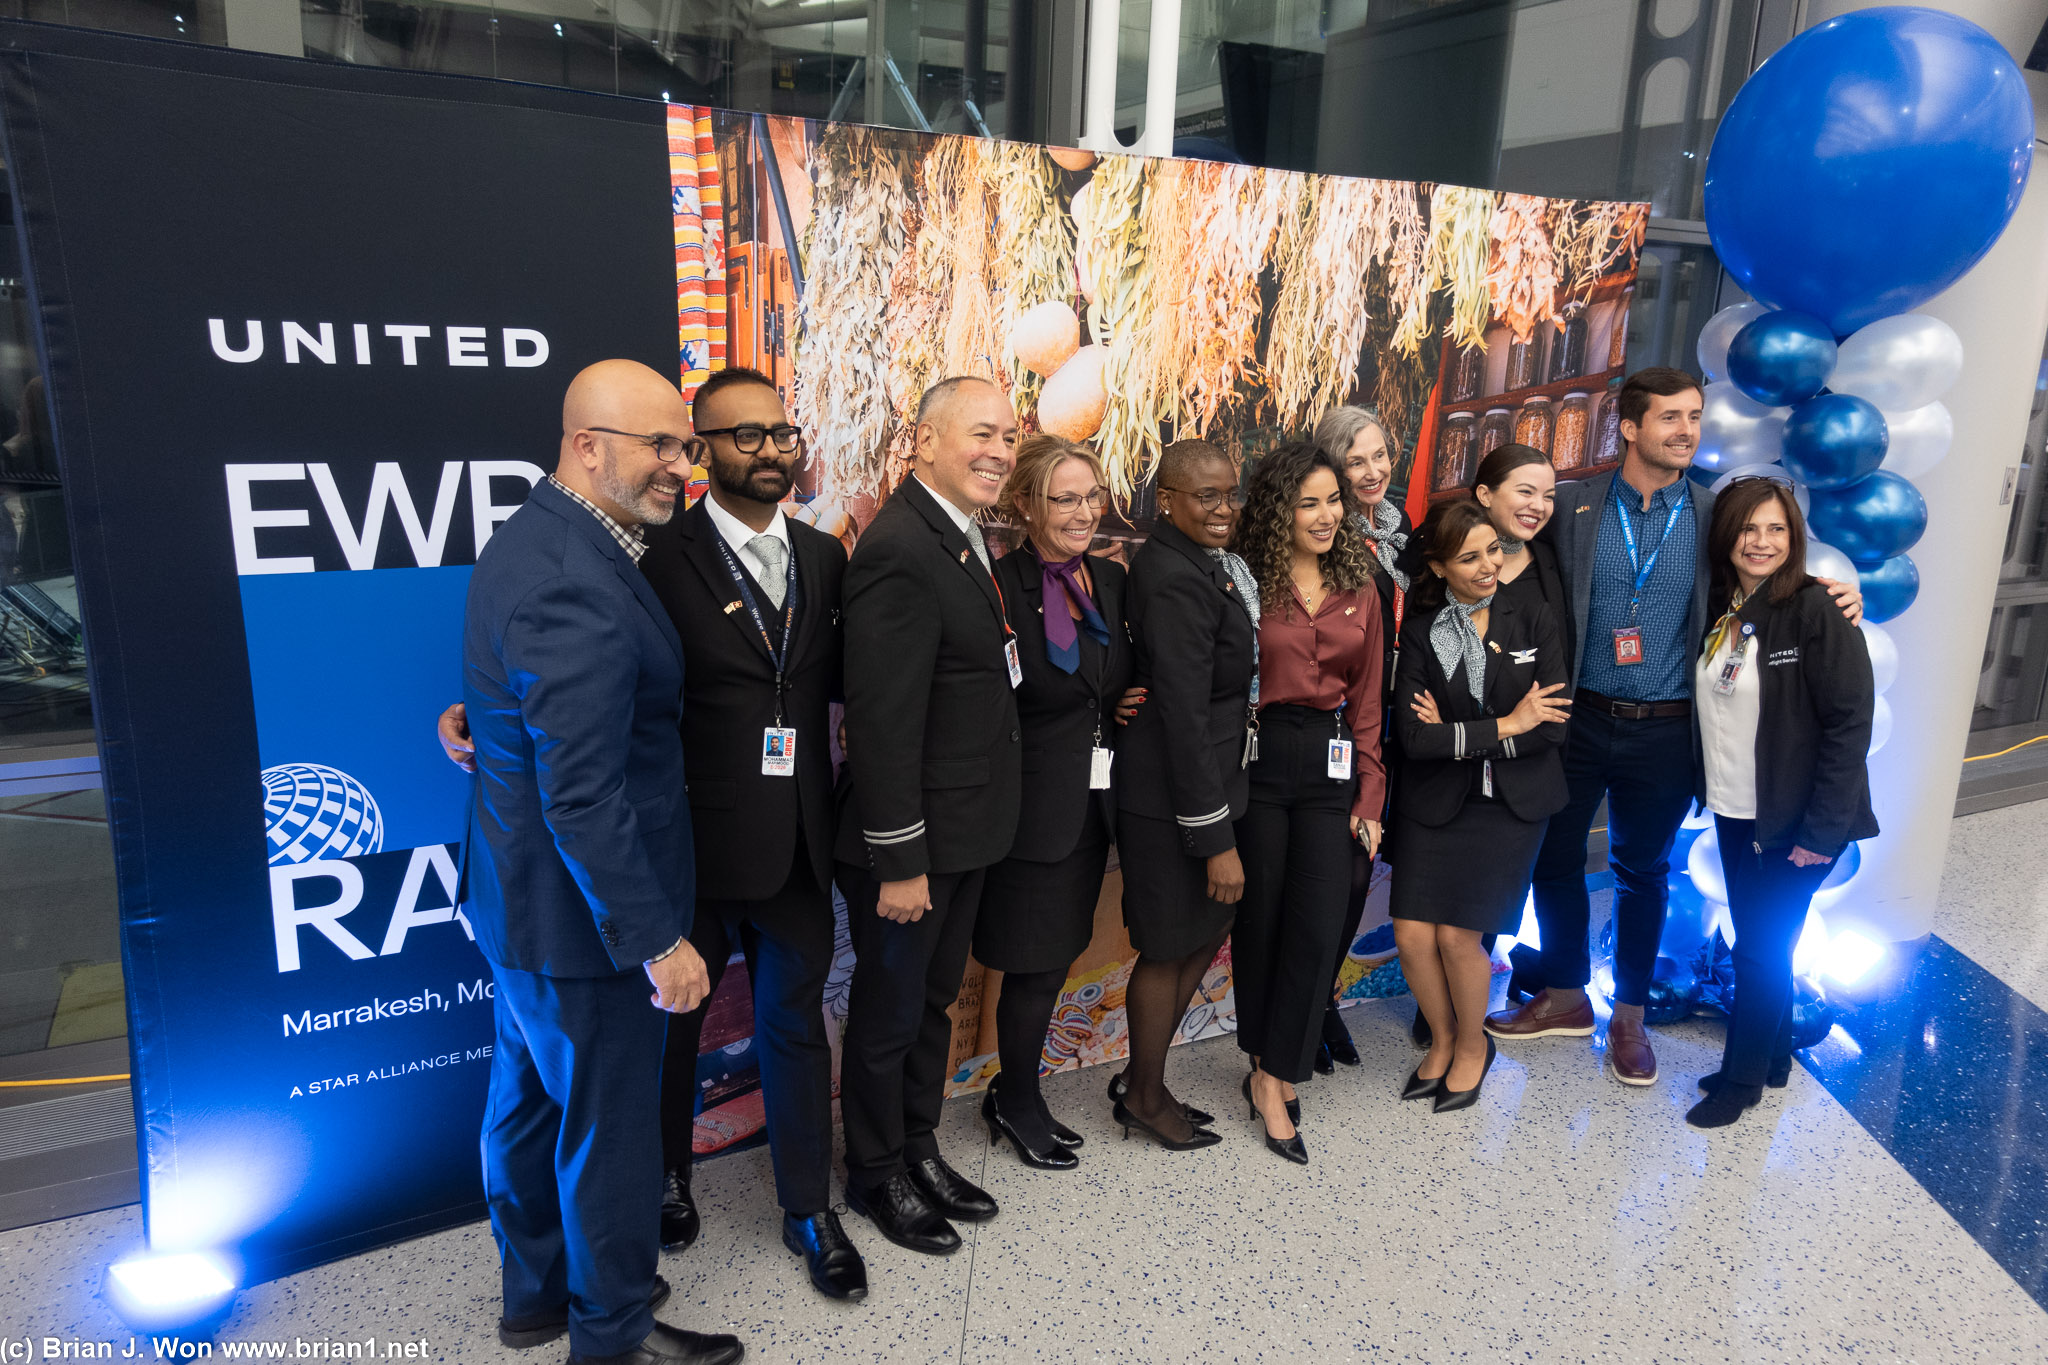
(2003, 752)
(66, 1080)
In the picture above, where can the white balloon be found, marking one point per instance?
(1735, 429)
(1884, 651)
(1720, 331)
(1825, 561)
(1899, 363)
(1919, 438)
(1880, 724)
(1703, 865)
(1769, 471)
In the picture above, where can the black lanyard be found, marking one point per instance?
(778, 657)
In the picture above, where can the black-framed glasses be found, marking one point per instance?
(1777, 479)
(1209, 499)
(749, 437)
(667, 449)
(1064, 503)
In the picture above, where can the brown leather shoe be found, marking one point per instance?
(1542, 1017)
(1629, 1052)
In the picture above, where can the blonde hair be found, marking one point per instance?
(1038, 459)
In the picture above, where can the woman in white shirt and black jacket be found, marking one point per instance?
(1784, 700)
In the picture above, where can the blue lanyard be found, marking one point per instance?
(1642, 570)
(778, 657)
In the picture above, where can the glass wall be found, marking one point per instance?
(2012, 691)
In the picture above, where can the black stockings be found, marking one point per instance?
(1023, 1014)
(1156, 1001)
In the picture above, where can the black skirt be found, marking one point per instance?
(1472, 873)
(1038, 917)
(1166, 891)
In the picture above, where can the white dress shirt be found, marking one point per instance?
(1728, 729)
(739, 536)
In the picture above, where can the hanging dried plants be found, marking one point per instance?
(1216, 307)
(1521, 274)
(1593, 239)
(1034, 241)
(1110, 248)
(1319, 319)
(1456, 254)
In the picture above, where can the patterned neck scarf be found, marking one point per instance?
(1453, 636)
(1248, 598)
(1511, 547)
(1725, 624)
(1060, 582)
(1383, 529)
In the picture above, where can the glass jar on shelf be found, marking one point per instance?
(1496, 429)
(1454, 457)
(1525, 361)
(1568, 443)
(1468, 373)
(1535, 423)
(1568, 350)
(1609, 449)
(1617, 337)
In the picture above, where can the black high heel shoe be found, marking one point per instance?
(1337, 1039)
(1448, 1099)
(1202, 1137)
(1418, 1088)
(1291, 1148)
(1054, 1158)
(1119, 1087)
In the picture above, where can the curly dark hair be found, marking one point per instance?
(1265, 531)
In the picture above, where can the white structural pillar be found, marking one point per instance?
(1162, 79)
(2000, 310)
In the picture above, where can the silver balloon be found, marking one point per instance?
(1825, 561)
(1720, 331)
(1880, 724)
(1884, 651)
(1735, 429)
(1919, 438)
(1899, 363)
(1768, 471)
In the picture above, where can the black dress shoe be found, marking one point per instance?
(1054, 1156)
(1063, 1135)
(836, 1268)
(1199, 1138)
(679, 1221)
(1448, 1099)
(1777, 1078)
(1292, 1148)
(901, 1213)
(1119, 1088)
(1419, 1088)
(523, 1333)
(1723, 1105)
(1419, 1031)
(1324, 1064)
(667, 1345)
(950, 1192)
(1337, 1039)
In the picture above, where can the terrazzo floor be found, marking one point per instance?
(1562, 1219)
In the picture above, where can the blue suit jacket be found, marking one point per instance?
(580, 858)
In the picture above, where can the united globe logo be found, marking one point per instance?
(310, 812)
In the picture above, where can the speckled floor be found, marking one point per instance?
(1562, 1219)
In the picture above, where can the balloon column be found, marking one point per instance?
(1863, 169)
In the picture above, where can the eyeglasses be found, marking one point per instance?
(1777, 479)
(1209, 499)
(750, 436)
(1070, 502)
(667, 449)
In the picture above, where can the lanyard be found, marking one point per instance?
(1643, 570)
(778, 657)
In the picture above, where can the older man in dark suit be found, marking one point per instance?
(579, 881)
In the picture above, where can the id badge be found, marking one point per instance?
(1340, 760)
(1486, 777)
(1724, 685)
(1098, 769)
(1016, 663)
(778, 752)
(1628, 645)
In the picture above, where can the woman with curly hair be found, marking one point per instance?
(1316, 780)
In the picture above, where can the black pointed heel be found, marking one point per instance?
(1053, 1158)
(1119, 1087)
(1202, 1137)
(1448, 1099)
(1290, 1148)
(1418, 1088)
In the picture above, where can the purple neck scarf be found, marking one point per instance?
(1061, 583)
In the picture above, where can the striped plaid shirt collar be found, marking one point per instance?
(631, 538)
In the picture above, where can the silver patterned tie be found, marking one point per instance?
(974, 538)
(773, 556)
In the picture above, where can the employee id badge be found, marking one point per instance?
(1724, 683)
(1016, 662)
(1486, 777)
(1098, 769)
(1340, 760)
(778, 752)
(1628, 645)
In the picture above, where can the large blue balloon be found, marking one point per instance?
(1869, 163)
(1871, 519)
(1782, 358)
(1889, 588)
(1834, 440)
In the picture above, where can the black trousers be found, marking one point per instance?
(892, 1066)
(1644, 770)
(572, 1154)
(1295, 842)
(1768, 897)
(787, 941)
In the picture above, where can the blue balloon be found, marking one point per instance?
(1869, 163)
(1833, 440)
(1674, 992)
(1813, 1018)
(1889, 588)
(1782, 358)
(1871, 519)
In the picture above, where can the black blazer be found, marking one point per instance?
(932, 744)
(1064, 715)
(1523, 647)
(746, 824)
(1182, 754)
(1545, 579)
(1574, 529)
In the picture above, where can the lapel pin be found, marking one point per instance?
(1351, 611)
(1584, 507)
(963, 556)
(731, 607)
(1494, 645)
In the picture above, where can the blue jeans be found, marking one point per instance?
(1644, 771)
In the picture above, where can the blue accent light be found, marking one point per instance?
(185, 1291)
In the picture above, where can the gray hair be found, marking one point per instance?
(935, 398)
(1340, 427)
